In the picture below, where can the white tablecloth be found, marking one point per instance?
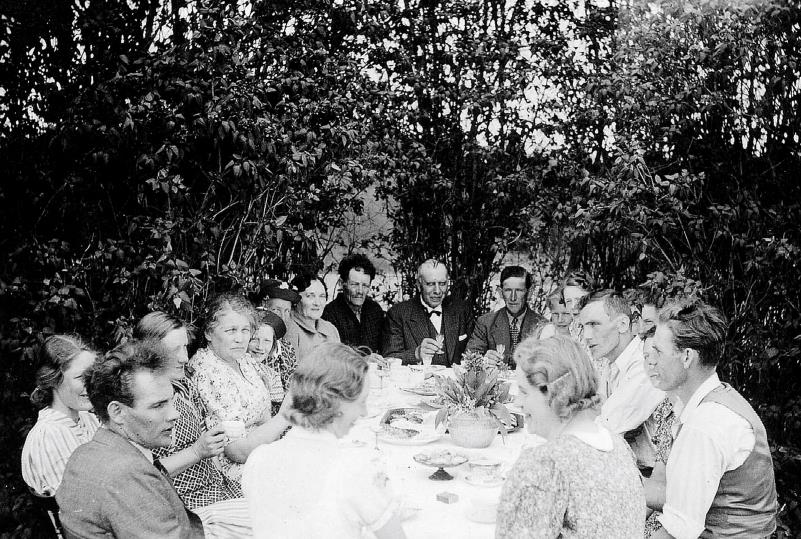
(435, 519)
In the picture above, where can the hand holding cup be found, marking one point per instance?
(211, 443)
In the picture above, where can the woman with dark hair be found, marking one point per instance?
(65, 421)
(188, 460)
(307, 328)
(265, 347)
(327, 394)
(583, 481)
(230, 384)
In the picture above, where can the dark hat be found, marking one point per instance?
(274, 289)
(271, 319)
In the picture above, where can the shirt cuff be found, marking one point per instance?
(678, 525)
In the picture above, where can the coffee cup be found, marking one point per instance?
(234, 429)
(484, 470)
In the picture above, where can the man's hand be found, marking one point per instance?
(427, 349)
(210, 444)
(493, 357)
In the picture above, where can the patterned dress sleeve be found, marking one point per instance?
(213, 389)
(534, 498)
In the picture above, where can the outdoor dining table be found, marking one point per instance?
(411, 479)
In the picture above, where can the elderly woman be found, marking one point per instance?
(229, 381)
(351, 494)
(583, 481)
(307, 329)
(65, 421)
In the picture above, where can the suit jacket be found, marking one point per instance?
(110, 489)
(408, 324)
(492, 329)
(352, 331)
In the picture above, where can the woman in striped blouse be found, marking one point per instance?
(65, 421)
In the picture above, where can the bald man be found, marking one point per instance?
(431, 324)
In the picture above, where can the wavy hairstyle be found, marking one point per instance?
(157, 324)
(221, 303)
(696, 325)
(331, 374)
(55, 357)
(559, 366)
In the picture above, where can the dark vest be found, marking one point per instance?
(745, 504)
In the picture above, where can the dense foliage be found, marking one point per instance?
(153, 152)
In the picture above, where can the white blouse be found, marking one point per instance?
(49, 445)
(309, 485)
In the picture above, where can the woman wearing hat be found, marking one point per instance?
(269, 345)
(265, 348)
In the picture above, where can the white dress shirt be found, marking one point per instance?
(712, 440)
(436, 319)
(632, 398)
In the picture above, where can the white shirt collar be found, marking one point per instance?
(144, 450)
(429, 308)
(703, 390)
(629, 356)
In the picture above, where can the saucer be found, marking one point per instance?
(488, 484)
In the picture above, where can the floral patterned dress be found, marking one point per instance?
(568, 488)
(227, 396)
(662, 440)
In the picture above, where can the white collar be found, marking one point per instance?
(428, 308)
(144, 450)
(629, 356)
(713, 382)
(600, 438)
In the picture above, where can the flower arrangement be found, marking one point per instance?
(476, 391)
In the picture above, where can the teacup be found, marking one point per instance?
(234, 429)
(484, 470)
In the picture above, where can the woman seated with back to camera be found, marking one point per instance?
(307, 484)
(583, 481)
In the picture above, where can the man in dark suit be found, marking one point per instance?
(431, 325)
(509, 325)
(357, 317)
(112, 487)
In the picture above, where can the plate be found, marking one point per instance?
(498, 482)
(431, 368)
(440, 459)
(419, 439)
(404, 426)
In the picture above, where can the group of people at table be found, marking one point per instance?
(641, 438)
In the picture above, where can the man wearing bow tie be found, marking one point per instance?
(431, 325)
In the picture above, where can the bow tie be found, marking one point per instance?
(438, 313)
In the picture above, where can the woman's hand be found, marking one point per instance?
(211, 443)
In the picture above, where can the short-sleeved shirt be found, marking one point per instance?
(352, 494)
(230, 397)
(568, 488)
(49, 445)
(201, 484)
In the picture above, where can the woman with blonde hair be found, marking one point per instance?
(583, 481)
(65, 420)
(351, 494)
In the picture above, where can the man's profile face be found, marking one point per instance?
(663, 361)
(600, 331)
(357, 287)
(149, 422)
(515, 294)
(433, 284)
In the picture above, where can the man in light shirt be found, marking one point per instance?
(719, 475)
(630, 399)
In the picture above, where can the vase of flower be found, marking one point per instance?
(473, 408)
(473, 430)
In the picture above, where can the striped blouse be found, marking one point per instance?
(49, 445)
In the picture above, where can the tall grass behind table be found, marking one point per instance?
(411, 479)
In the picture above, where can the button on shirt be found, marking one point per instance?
(710, 440)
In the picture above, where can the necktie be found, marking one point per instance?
(514, 332)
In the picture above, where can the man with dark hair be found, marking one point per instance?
(357, 317)
(630, 399)
(430, 326)
(719, 474)
(112, 486)
(497, 333)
